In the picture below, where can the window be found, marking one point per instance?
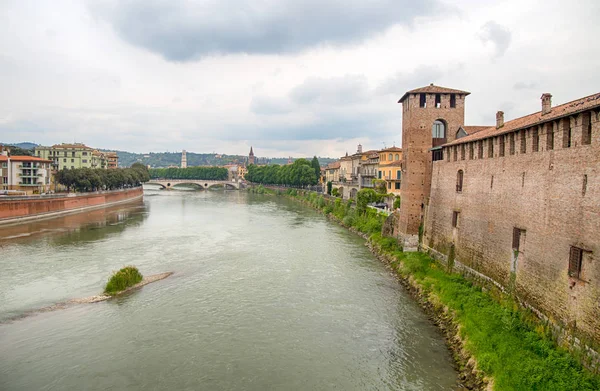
(389, 174)
(516, 240)
(511, 141)
(586, 129)
(471, 151)
(72, 154)
(65, 153)
(72, 167)
(535, 140)
(523, 141)
(422, 100)
(437, 154)
(584, 186)
(398, 174)
(459, 181)
(64, 160)
(5, 179)
(455, 218)
(575, 261)
(462, 151)
(389, 185)
(438, 129)
(397, 185)
(455, 152)
(4, 165)
(84, 161)
(490, 142)
(549, 136)
(452, 100)
(566, 126)
(72, 160)
(480, 150)
(84, 153)
(390, 157)
(379, 174)
(501, 146)
(438, 101)
(396, 157)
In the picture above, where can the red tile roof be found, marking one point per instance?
(5, 158)
(392, 149)
(333, 165)
(474, 129)
(432, 89)
(570, 108)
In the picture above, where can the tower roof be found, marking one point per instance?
(251, 152)
(433, 89)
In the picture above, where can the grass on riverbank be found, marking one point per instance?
(510, 345)
(123, 279)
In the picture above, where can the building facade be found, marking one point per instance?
(518, 202)
(29, 174)
(390, 169)
(77, 155)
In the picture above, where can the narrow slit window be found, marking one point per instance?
(523, 141)
(422, 100)
(438, 100)
(501, 146)
(455, 217)
(566, 122)
(480, 150)
(471, 151)
(490, 142)
(452, 100)
(516, 242)
(459, 181)
(575, 261)
(462, 151)
(455, 152)
(535, 140)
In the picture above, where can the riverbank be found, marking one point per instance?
(496, 343)
(17, 210)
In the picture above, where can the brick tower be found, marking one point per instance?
(431, 116)
(251, 157)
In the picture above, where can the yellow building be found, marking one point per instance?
(77, 155)
(390, 168)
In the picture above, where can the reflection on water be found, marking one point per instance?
(266, 295)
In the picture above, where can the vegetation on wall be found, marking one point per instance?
(208, 173)
(96, 179)
(299, 173)
(123, 279)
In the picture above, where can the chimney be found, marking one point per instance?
(359, 149)
(499, 119)
(546, 103)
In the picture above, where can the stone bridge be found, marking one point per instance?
(200, 183)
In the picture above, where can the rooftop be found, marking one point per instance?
(21, 158)
(433, 89)
(537, 118)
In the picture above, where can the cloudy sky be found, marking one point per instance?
(289, 77)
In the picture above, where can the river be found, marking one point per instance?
(267, 295)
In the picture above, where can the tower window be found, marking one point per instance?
(501, 146)
(586, 128)
(523, 141)
(575, 261)
(511, 140)
(422, 100)
(455, 218)
(490, 142)
(438, 101)
(471, 151)
(438, 129)
(452, 100)
(535, 140)
(462, 151)
(549, 136)
(480, 150)
(459, 181)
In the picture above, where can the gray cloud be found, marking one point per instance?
(265, 105)
(332, 91)
(180, 30)
(498, 35)
(404, 81)
(521, 85)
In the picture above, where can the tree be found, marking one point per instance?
(329, 186)
(316, 166)
(365, 197)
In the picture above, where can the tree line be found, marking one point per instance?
(210, 173)
(96, 179)
(300, 173)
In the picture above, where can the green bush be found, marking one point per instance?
(397, 202)
(123, 279)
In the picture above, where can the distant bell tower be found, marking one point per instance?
(251, 156)
(183, 159)
(431, 117)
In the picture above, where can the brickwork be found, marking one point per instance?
(543, 180)
(417, 140)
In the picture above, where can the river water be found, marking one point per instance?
(267, 295)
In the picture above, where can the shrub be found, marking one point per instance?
(123, 279)
(397, 202)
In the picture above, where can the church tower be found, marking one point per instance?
(251, 157)
(431, 116)
(183, 159)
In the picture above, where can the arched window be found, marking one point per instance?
(459, 180)
(438, 129)
(397, 157)
(390, 157)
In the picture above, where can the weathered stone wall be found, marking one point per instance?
(11, 209)
(553, 195)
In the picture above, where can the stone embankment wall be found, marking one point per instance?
(23, 209)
